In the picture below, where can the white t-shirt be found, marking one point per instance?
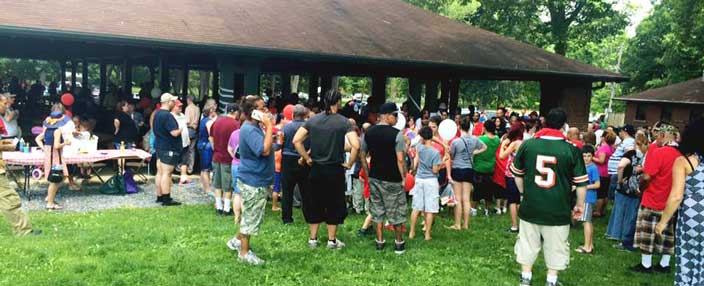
(183, 125)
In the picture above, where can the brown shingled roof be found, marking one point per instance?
(386, 31)
(687, 92)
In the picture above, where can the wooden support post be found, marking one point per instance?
(164, 80)
(431, 95)
(226, 85)
(378, 96)
(285, 85)
(73, 75)
(313, 82)
(84, 75)
(127, 78)
(103, 79)
(62, 76)
(445, 92)
(415, 88)
(215, 83)
(454, 97)
(325, 84)
(184, 84)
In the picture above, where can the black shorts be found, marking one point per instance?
(603, 190)
(513, 196)
(484, 188)
(171, 158)
(465, 175)
(324, 199)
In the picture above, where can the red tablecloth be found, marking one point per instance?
(37, 157)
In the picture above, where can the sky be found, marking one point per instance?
(642, 10)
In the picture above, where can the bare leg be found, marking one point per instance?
(457, 188)
(414, 219)
(466, 207)
(184, 174)
(245, 244)
(51, 193)
(275, 202)
(157, 179)
(588, 232)
(205, 180)
(601, 206)
(379, 231)
(313, 230)
(367, 222)
(332, 232)
(236, 206)
(428, 225)
(166, 179)
(514, 215)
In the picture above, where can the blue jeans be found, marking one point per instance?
(235, 170)
(622, 223)
(613, 183)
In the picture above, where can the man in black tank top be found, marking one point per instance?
(386, 146)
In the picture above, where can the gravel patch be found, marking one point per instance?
(90, 199)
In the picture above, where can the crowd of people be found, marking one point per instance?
(547, 176)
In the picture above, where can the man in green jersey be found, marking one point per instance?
(546, 168)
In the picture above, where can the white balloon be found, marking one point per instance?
(447, 129)
(156, 92)
(401, 122)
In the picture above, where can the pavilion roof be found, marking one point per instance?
(687, 92)
(387, 32)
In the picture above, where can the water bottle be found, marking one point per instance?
(122, 146)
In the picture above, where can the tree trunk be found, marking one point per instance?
(294, 83)
(559, 25)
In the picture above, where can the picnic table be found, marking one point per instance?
(36, 158)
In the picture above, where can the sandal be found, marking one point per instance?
(54, 207)
(584, 251)
(453, 227)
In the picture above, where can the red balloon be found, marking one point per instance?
(410, 182)
(67, 99)
(288, 112)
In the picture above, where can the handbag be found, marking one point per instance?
(631, 185)
(56, 174)
(114, 186)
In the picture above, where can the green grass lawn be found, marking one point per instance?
(186, 246)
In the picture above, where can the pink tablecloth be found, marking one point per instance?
(37, 157)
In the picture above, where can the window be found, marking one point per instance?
(640, 112)
(666, 114)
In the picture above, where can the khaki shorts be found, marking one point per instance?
(222, 177)
(388, 201)
(253, 207)
(555, 244)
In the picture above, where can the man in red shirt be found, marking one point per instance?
(222, 160)
(657, 183)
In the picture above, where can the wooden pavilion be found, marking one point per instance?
(321, 39)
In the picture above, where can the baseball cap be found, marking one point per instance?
(629, 129)
(166, 97)
(388, 108)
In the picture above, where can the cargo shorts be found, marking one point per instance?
(253, 207)
(388, 201)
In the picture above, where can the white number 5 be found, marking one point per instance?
(547, 180)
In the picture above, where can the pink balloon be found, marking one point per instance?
(67, 99)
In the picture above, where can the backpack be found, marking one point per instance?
(631, 184)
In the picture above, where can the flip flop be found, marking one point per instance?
(54, 207)
(452, 227)
(584, 251)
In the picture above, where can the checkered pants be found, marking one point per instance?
(646, 239)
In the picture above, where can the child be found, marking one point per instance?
(427, 164)
(366, 226)
(590, 201)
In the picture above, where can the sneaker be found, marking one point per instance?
(504, 210)
(658, 268)
(553, 284)
(228, 213)
(34, 232)
(218, 212)
(525, 282)
(337, 244)
(170, 202)
(512, 230)
(619, 246)
(363, 232)
(251, 258)
(234, 244)
(486, 212)
(400, 247)
(313, 243)
(641, 269)
(474, 212)
(380, 245)
(159, 199)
